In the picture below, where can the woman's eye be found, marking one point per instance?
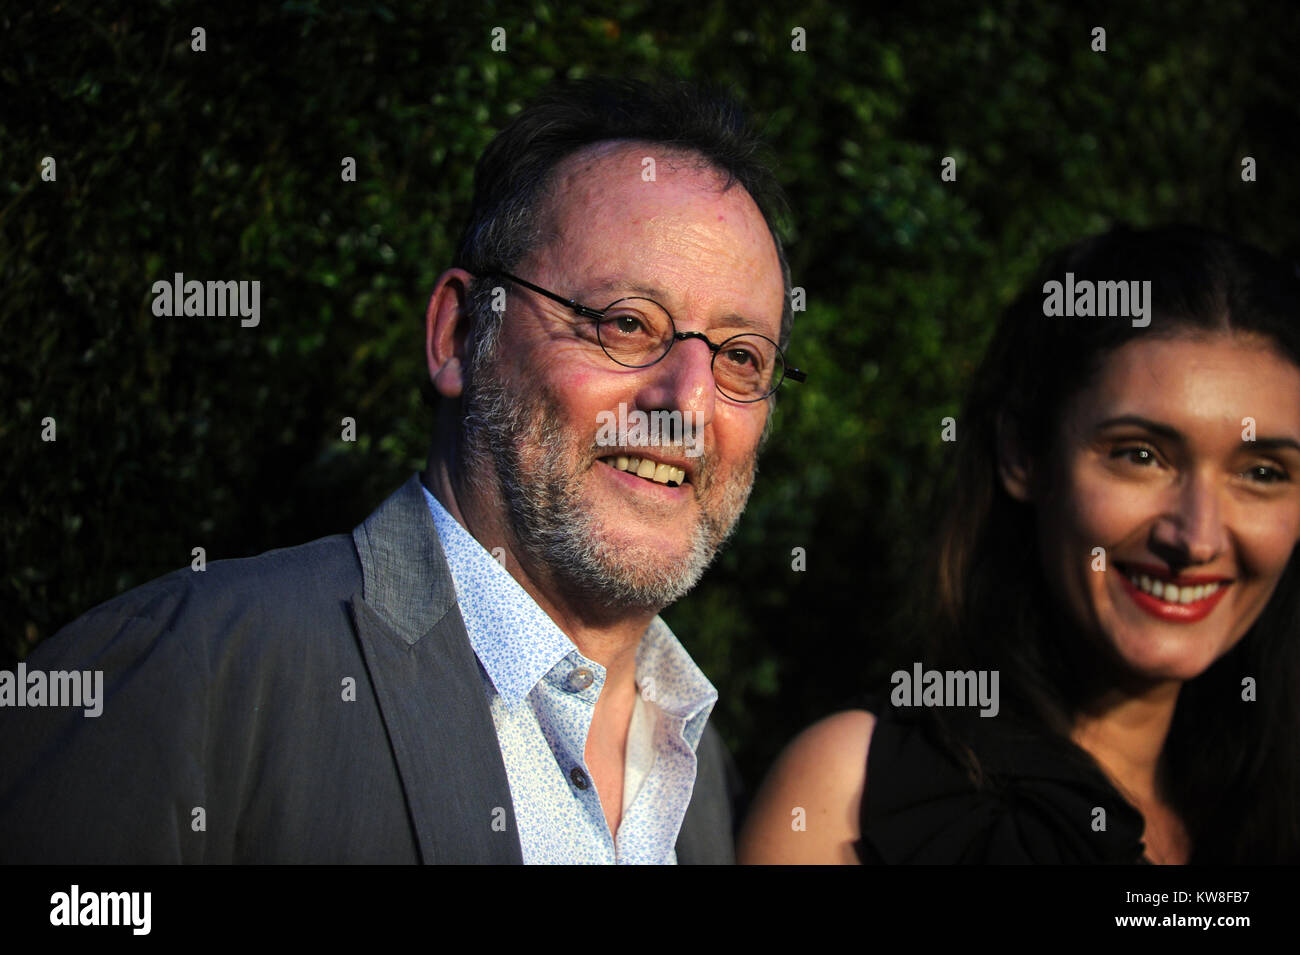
(1137, 455)
(1267, 474)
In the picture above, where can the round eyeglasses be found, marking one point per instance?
(637, 332)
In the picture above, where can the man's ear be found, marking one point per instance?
(1014, 466)
(446, 331)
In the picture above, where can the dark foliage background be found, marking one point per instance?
(226, 164)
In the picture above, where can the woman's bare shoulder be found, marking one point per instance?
(808, 807)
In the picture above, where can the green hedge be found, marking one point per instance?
(225, 164)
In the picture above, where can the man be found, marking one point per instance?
(478, 673)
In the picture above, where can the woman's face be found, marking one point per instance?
(1155, 463)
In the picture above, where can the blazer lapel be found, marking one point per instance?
(706, 836)
(430, 692)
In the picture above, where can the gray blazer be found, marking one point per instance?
(226, 737)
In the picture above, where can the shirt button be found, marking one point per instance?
(579, 680)
(579, 778)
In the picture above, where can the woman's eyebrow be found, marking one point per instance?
(1273, 444)
(1132, 420)
(1155, 427)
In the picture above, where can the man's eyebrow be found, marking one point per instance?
(617, 286)
(1164, 430)
(620, 288)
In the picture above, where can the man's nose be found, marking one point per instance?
(1192, 530)
(682, 381)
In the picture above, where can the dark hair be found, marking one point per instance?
(514, 175)
(1232, 772)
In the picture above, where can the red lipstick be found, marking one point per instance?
(1170, 611)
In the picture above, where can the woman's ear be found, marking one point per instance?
(1013, 463)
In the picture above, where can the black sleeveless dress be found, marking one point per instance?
(1040, 800)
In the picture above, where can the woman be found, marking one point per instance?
(1119, 566)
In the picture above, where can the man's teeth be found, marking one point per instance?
(1170, 592)
(650, 470)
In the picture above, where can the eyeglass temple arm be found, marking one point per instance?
(582, 310)
(793, 374)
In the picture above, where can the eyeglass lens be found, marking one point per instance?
(637, 332)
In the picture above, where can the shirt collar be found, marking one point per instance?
(669, 677)
(513, 638)
(518, 643)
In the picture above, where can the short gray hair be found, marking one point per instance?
(514, 177)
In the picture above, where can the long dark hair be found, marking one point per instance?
(1231, 771)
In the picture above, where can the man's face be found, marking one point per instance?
(533, 414)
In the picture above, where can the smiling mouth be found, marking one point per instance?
(1181, 599)
(654, 471)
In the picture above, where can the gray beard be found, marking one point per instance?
(517, 447)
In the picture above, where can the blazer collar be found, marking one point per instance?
(429, 688)
(427, 681)
(403, 571)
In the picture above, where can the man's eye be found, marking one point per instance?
(741, 358)
(627, 323)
